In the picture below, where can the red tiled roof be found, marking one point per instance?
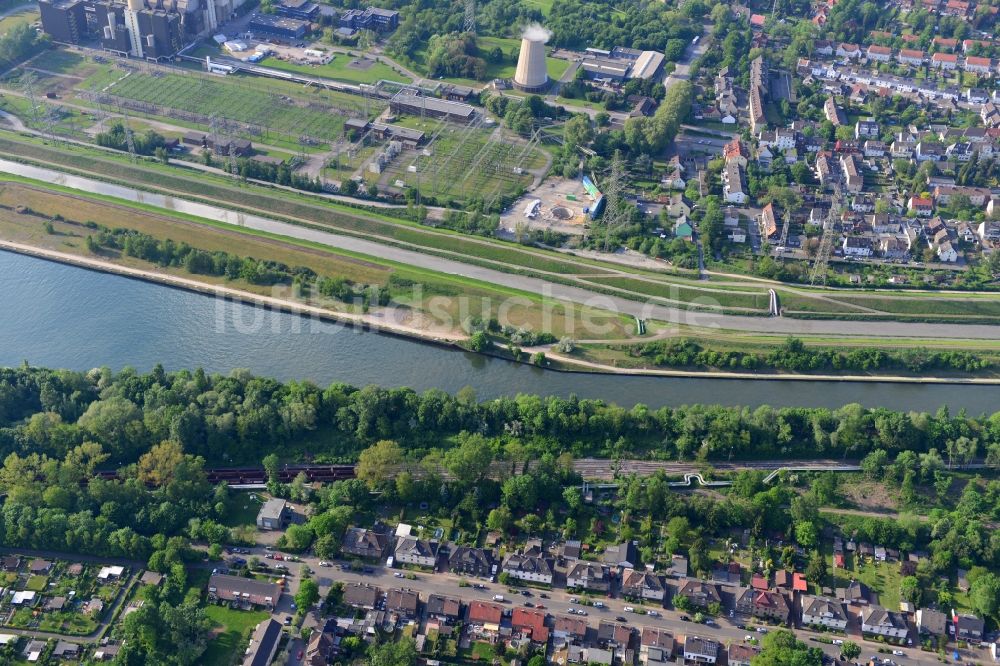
(911, 53)
(799, 582)
(530, 622)
(944, 57)
(978, 62)
(758, 582)
(482, 612)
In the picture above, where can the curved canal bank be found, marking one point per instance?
(59, 315)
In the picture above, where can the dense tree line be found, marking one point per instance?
(116, 137)
(219, 263)
(18, 43)
(794, 356)
(240, 417)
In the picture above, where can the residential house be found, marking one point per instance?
(853, 180)
(734, 184)
(990, 114)
(361, 595)
(910, 57)
(770, 605)
(34, 649)
(322, 646)
(881, 622)
(446, 609)
(894, 247)
(364, 543)
(613, 635)
(416, 551)
(10, 563)
(655, 647)
(857, 246)
(874, 148)
(946, 252)
(834, 113)
(640, 584)
(879, 53)
(402, 602)
(486, 618)
(921, 206)
(929, 152)
(850, 51)
(530, 624)
(245, 593)
(978, 196)
(263, 644)
(944, 61)
(588, 576)
(823, 612)
(471, 561)
(866, 129)
(741, 654)
(569, 629)
(931, 622)
(969, 627)
(68, 650)
(625, 555)
(39, 566)
(978, 65)
(699, 650)
(699, 592)
(735, 151)
(989, 231)
(825, 173)
(768, 221)
(274, 514)
(534, 569)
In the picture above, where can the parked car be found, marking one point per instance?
(837, 641)
(685, 618)
(398, 574)
(598, 604)
(761, 630)
(498, 597)
(324, 563)
(629, 609)
(621, 618)
(898, 653)
(653, 613)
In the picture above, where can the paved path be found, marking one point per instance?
(579, 295)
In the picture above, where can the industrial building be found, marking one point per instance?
(410, 103)
(280, 27)
(302, 10)
(621, 64)
(153, 31)
(372, 18)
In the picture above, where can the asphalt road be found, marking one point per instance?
(579, 295)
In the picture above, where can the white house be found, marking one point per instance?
(856, 246)
(824, 612)
(416, 551)
(877, 620)
(588, 576)
(527, 567)
(946, 252)
(700, 650)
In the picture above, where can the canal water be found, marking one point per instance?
(63, 316)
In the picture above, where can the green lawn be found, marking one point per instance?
(235, 627)
(241, 510)
(544, 6)
(37, 583)
(27, 14)
(883, 578)
(340, 69)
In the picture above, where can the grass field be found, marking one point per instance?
(232, 628)
(269, 110)
(340, 68)
(27, 14)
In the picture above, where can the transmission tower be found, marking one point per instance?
(470, 16)
(129, 139)
(818, 273)
(614, 188)
(783, 243)
(28, 84)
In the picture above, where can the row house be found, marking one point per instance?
(757, 94)
(879, 53)
(567, 629)
(485, 619)
(969, 627)
(736, 151)
(978, 196)
(894, 247)
(823, 612)
(530, 624)
(881, 622)
(768, 221)
(588, 576)
(402, 602)
(970, 44)
(444, 609)
(959, 152)
(978, 65)
(945, 43)
(873, 148)
(699, 650)
(656, 647)
(944, 61)
(834, 113)
(911, 57)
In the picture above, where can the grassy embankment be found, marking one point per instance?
(48, 204)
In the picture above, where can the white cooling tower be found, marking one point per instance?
(531, 75)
